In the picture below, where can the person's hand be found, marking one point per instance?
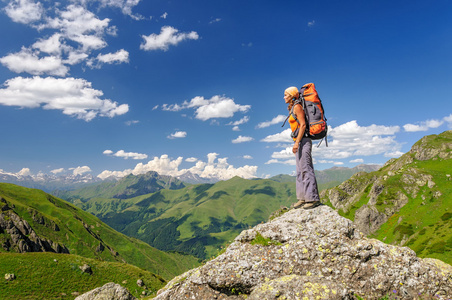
(295, 148)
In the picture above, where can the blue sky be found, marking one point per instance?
(113, 87)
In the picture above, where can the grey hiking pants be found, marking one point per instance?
(306, 184)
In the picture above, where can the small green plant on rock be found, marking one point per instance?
(260, 240)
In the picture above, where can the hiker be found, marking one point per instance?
(306, 183)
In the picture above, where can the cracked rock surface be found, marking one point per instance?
(314, 254)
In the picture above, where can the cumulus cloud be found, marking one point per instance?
(242, 121)
(51, 45)
(242, 139)
(28, 61)
(80, 25)
(24, 11)
(57, 171)
(79, 32)
(169, 36)
(24, 172)
(80, 170)
(205, 109)
(214, 168)
(448, 120)
(126, 155)
(126, 6)
(74, 97)
(423, 126)
(247, 157)
(276, 120)
(358, 160)
(346, 141)
(178, 135)
(282, 137)
(121, 56)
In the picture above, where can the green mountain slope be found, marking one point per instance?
(34, 221)
(408, 201)
(198, 219)
(58, 276)
(128, 187)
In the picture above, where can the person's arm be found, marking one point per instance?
(299, 113)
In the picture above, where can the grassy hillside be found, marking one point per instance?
(58, 276)
(62, 223)
(198, 219)
(408, 201)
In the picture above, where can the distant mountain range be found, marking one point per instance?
(49, 182)
(196, 219)
(69, 182)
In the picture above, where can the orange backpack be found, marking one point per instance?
(316, 127)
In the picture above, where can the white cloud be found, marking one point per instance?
(80, 25)
(448, 120)
(282, 137)
(242, 121)
(358, 160)
(131, 122)
(24, 172)
(247, 157)
(350, 139)
(217, 168)
(346, 140)
(73, 23)
(121, 56)
(311, 23)
(178, 134)
(242, 139)
(424, 126)
(57, 171)
(168, 36)
(126, 6)
(29, 62)
(51, 45)
(74, 97)
(276, 120)
(205, 109)
(191, 159)
(80, 170)
(126, 155)
(164, 16)
(215, 21)
(24, 11)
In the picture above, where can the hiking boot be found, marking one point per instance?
(310, 205)
(299, 204)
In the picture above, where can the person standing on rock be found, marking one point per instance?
(306, 183)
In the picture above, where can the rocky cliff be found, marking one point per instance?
(314, 254)
(19, 236)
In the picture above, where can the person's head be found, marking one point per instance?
(290, 94)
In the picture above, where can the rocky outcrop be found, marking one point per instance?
(312, 254)
(109, 291)
(20, 236)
